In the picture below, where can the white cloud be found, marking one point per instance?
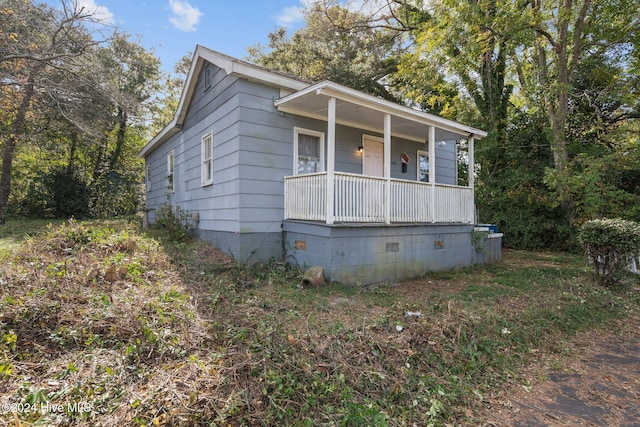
(290, 15)
(184, 16)
(99, 13)
(375, 9)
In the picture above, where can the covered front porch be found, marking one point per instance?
(381, 195)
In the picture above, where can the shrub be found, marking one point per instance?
(177, 221)
(69, 193)
(610, 244)
(116, 194)
(37, 202)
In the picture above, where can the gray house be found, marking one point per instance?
(272, 166)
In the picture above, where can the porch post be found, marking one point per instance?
(387, 168)
(432, 170)
(472, 165)
(331, 157)
(472, 172)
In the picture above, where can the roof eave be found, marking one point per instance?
(331, 89)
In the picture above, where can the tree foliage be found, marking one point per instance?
(511, 191)
(165, 105)
(75, 94)
(334, 47)
(69, 193)
(559, 38)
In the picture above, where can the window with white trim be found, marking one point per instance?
(170, 174)
(147, 178)
(206, 167)
(308, 151)
(423, 165)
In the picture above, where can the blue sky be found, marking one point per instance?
(172, 28)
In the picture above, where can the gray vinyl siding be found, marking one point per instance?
(216, 111)
(154, 198)
(446, 162)
(265, 159)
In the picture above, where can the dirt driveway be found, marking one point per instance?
(596, 384)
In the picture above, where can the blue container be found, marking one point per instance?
(491, 228)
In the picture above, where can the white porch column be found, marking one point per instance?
(472, 166)
(472, 172)
(432, 170)
(387, 168)
(331, 158)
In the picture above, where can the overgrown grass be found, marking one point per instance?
(13, 233)
(190, 338)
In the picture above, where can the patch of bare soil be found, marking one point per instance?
(208, 254)
(417, 290)
(597, 384)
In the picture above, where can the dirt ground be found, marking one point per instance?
(596, 384)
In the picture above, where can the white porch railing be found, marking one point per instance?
(305, 197)
(411, 201)
(359, 198)
(453, 204)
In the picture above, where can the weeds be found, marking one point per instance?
(188, 337)
(175, 221)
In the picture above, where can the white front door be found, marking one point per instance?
(372, 156)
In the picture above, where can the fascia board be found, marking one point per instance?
(285, 100)
(248, 71)
(164, 134)
(174, 126)
(266, 77)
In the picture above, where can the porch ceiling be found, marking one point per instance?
(356, 109)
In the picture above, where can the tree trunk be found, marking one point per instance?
(5, 178)
(72, 150)
(98, 161)
(120, 137)
(558, 141)
(11, 143)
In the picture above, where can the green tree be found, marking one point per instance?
(463, 48)
(68, 193)
(560, 36)
(567, 59)
(134, 74)
(132, 77)
(37, 45)
(334, 46)
(73, 100)
(514, 195)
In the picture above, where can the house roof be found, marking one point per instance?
(359, 109)
(309, 100)
(231, 66)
